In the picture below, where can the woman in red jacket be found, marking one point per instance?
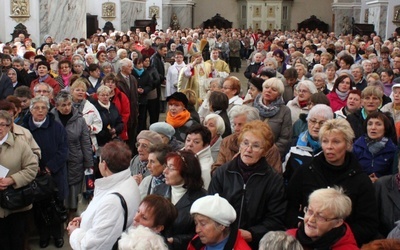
(324, 226)
(338, 96)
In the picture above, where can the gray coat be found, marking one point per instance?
(388, 197)
(80, 150)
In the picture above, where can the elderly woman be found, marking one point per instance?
(275, 113)
(140, 237)
(80, 150)
(251, 186)
(22, 165)
(215, 85)
(307, 145)
(375, 150)
(216, 125)
(371, 98)
(340, 91)
(219, 104)
(324, 224)
(65, 73)
(320, 81)
(330, 71)
(167, 133)
(387, 77)
(86, 108)
(301, 71)
(112, 121)
(213, 216)
(183, 185)
(392, 107)
(120, 100)
(335, 166)
(15, 77)
(255, 88)
(43, 70)
(155, 164)
(52, 140)
(255, 65)
(299, 105)
(103, 221)
(279, 240)
(78, 68)
(198, 140)
(139, 162)
(178, 116)
(231, 88)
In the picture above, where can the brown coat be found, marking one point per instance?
(230, 147)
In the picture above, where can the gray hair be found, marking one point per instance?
(251, 113)
(219, 122)
(138, 238)
(276, 83)
(220, 81)
(49, 88)
(320, 110)
(6, 116)
(62, 96)
(272, 60)
(119, 52)
(90, 55)
(309, 85)
(357, 66)
(103, 89)
(332, 199)
(79, 62)
(279, 240)
(321, 75)
(105, 64)
(147, 42)
(125, 62)
(37, 99)
(18, 60)
(316, 67)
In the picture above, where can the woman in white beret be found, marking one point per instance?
(213, 216)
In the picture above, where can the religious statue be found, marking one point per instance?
(174, 22)
(20, 8)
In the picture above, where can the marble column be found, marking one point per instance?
(167, 14)
(344, 12)
(378, 16)
(130, 11)
(184, 14)
(62, 18)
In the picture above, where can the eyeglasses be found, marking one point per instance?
(226, 87)
(3, 125)
(39, 108)
(304, 91)
(314, 122)
(254, 147)
(308, 212)
(42, 91)
(144, 146)
(170, 168)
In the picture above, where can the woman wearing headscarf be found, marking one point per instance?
(16, 78)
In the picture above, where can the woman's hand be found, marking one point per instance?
(373, 177)
(5, 182)
(138, 178)
(74, 224)
(246, 235)
(170, 240)
(140, 90)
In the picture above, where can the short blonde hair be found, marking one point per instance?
(79, 83)
(274, 83)
(261, 130)
(332, 199)
(372, 91)
(341, 126)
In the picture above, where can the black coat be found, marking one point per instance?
(183, 228)
(111, 119)
(363, 219)
(145, 82)
(6, 87)
(263, 197)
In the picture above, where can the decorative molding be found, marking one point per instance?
(108, 11)
(20, 10)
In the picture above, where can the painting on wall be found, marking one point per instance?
(256, 25)
(270, 25)
(257, 11)
(271, 11)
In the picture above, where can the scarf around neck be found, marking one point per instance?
(179, 120)
(374, 146)
(66, 79)
(139, 72)
(104, 105)
(342, 95)
(268, 111)
(326, 241)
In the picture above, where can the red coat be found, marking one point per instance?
(347, 242)
(335, 102)
(240, 243)
(50, 81)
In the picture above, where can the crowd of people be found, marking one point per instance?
(304, 155)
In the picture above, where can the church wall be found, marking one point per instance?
(303, 9)
(206, 9)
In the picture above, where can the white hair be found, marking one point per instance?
(141, 238)
(320, 110)
(219, 122)
(125, 62)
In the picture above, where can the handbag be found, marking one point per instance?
(125, 207)
(14, 199)
(43, 187)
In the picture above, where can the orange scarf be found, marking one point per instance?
(179, 120)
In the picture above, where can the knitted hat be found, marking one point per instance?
(151, 136)
(163, 128)
(216, 208)
(178, 96)
(111, 48)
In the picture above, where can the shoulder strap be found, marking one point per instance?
(123, 203)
